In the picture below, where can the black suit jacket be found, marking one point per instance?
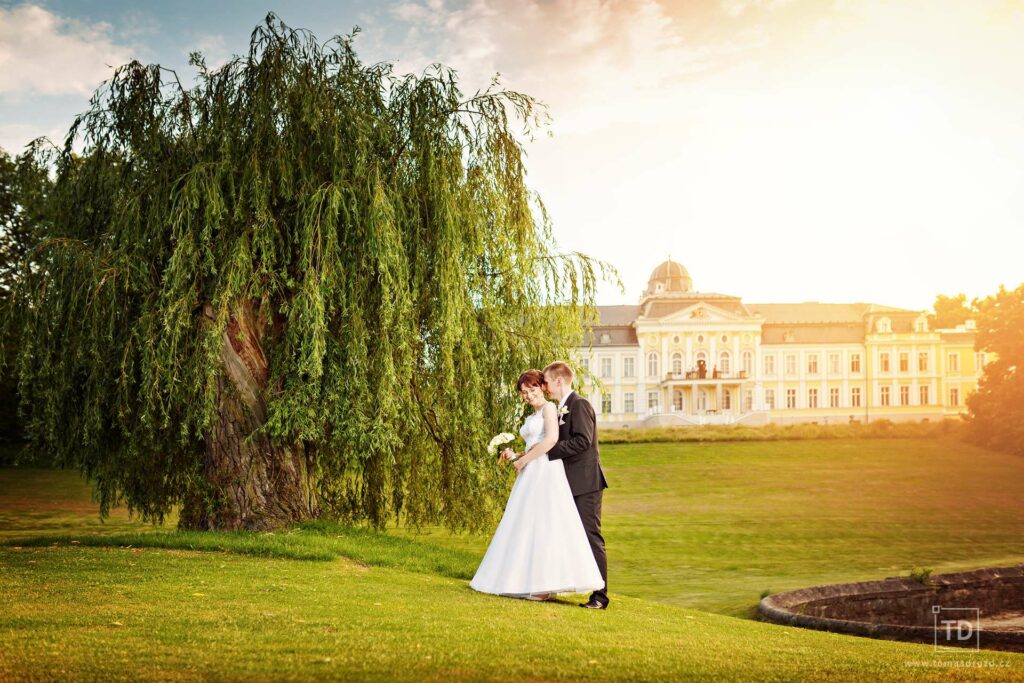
(577, 447)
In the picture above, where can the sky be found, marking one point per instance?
(782, 150)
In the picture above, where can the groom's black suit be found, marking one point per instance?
(577, 449)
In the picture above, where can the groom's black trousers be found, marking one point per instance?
(589, 507)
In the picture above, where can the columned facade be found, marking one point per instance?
(683, 357)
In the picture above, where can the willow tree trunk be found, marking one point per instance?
(249, 482)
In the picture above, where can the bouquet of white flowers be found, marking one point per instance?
(500, 440)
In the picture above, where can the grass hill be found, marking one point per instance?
(122, 601)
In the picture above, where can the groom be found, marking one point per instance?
(577, 449)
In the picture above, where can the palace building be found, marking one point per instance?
(683, 357)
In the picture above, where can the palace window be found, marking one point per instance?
(921, 325)
(748, 399)
(790, 363)
(812, 364)
(953, 363)
(812, 398)
(922, 361)
(652, 400)
(885, 396)
(904, 395)
(727, 400)
(723, 361)
(652, 364)
(769, 364)
(606, 403)
(606, 367)
(833, 397)
(954, 396)
(769, 398)
(725, 338)
(677, 400)
(791, 398)
(924, 395)
(854, 362)
(982, 359)
(628, 366)
(904, 361)
(628, 402)
(677, 363)
(606, 338)
(585, 364)
(884, 326)
(855, 397)
(834, 364)
(883, 361)
(748, 362)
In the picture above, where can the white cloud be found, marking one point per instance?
(14, 136)
(43, 53)
(213, 47)
(595, 63)
(755, 139)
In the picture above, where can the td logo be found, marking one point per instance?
(956, 628)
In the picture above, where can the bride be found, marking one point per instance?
(540, 548)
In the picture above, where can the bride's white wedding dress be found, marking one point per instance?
(540, 545)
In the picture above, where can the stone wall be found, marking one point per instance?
(901, 608)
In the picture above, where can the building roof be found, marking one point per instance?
(783, 323)
(813, 333)
(816, 312)
(615, 327)
(611, 336)
(618, 315)
(662, 308)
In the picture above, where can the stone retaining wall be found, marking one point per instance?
(900, 608)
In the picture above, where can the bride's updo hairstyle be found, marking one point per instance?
(530, 378)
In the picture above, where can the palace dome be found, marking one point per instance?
(669, 277)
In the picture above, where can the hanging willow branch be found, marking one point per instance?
(365, 243)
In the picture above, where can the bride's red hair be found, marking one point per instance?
(530, 378)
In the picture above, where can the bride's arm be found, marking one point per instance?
(549, 413)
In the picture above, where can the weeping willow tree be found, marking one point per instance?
(303, 286)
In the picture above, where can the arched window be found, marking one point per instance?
(723, 361)
(677, 362)
(702, 356)
(677, 400)
(748, 362)
(652, 364)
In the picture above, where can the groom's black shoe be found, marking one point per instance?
(594, 604)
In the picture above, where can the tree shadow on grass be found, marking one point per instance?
(314, 541)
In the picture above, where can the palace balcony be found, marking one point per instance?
(692, 377)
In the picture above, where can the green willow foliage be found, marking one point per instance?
(383, 221)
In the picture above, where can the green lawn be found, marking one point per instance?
(687, 524)
(713, 525)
